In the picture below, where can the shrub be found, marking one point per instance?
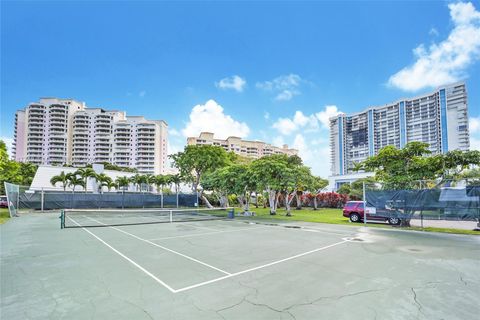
(332, 200)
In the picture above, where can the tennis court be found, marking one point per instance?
(232, 269)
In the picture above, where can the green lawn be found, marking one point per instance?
(334, 216)
(4, 215)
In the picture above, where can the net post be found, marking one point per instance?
(171, 216)
(62, 219)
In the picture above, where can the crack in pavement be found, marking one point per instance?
(332, 297)
(419, 306)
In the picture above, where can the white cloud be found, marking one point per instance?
(210, 117)
(447, 61)
(235, 82)
(307, 123)
(9, 143)
(474, 124)
(474, 143)
(325, 115)
(285, 87)
(142, 93)
(287, 126)
(314, 155)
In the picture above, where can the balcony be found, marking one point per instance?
(102, 130)
(103, 122)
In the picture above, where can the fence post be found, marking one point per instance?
(171, 216)
(161, 199)
(177, 198)
(42, 200)
(364, 206)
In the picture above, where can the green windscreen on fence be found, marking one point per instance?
(450, 201)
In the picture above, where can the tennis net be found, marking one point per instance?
(74, 218)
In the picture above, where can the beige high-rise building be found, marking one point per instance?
(65, 131)
(246, 148)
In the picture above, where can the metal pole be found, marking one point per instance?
(364, 206)
(161, 199)
(177, 197)
(171, 216)
(42, 200)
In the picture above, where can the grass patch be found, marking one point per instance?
(4, 215)
(334, 216)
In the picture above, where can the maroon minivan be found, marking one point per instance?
(354, 211)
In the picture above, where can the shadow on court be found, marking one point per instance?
(231, 269)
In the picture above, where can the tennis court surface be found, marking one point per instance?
(233, 269)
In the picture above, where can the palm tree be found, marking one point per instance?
(137, 180)
(176, 179)
(86, 173)
(122, 182)
(62, 177)
(103, 181)
(149, 179)
(74, 180)
(109, 184)
(160, 182)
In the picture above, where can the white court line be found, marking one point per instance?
(127, 258)
(198, 227)
(259, 267)
(303, 228)
(208, 233)
(164, 248)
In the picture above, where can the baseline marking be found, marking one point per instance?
(260, 267)
(164, 248)
(127, 258)
(206, 233)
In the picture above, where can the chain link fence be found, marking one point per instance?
(20, 197)
(424, 201)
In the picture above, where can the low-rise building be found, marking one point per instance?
(246, 148)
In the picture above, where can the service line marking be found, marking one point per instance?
(207, 233)
(260, 267)
(148, 273)
(164, 248)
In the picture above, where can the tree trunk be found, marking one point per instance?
(315, 202)
(256, 199)
(241, 201)
(247, 202)
(207, 203)
(223, 199)
(405, 223)
(272, 202)
(287, 207)
(288, 202)
(299, 201)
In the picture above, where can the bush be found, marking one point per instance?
(332, 200)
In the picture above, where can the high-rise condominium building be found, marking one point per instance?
(65, 131)
(246, 148)
(438, 118)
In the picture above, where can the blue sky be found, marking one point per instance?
(273, 71)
